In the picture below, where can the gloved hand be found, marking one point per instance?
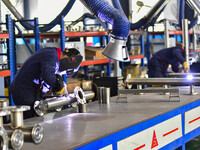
(186, 67)
(61, 88)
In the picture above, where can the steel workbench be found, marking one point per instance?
(145, 122)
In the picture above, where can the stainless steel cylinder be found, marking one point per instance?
(82, 108)
(89, 95)
(3, 139)
(186, 39)
(16, 139)
(106, 95)
(4, 103)
(33, 134)
(17, 119)
(100, 94)
(3, 112)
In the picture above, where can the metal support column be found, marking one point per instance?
(186, 39)
(36, 33)
(62, 39)
(166, 31)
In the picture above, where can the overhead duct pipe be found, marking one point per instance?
(46, 27)
(116, 48)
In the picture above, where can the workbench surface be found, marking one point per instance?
(68, 129)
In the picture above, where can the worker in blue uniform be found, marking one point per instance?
(159, 63)
(41, 73)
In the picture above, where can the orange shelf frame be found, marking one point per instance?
(4, 35)
(4, 73)
(104, 61)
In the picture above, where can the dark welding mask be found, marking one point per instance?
(70, 64)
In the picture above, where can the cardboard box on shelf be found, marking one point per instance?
(94, 52)
(71, 84)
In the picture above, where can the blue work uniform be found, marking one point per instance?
(158, 64)
(38, 68)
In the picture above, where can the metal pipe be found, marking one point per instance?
(16, 139)
(3, 139)
(17, 115)
(166, 31)
(183, 74)
(89, 95)
(41, 106)
(186, 39)
(33, 134)
(167, 81)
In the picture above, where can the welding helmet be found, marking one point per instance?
(72, 62)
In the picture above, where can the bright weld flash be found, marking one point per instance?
(190, 77)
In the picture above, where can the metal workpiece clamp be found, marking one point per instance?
(17, 119)
(42, 106)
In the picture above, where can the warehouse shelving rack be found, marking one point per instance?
(10, 53)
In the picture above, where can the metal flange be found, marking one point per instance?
(33, 134)
(17, 115)
(3, 112)
(16, 139)
(3, 139)
(79, 94)
(40, 107)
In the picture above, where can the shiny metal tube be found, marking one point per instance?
(167, 81)
(16, 139)
(41, 106)
(183, 74)
(4, 103)
(17, 119)
(3, 139)
(89, 95)
(186, 39)
(31, 134)
(195, 4)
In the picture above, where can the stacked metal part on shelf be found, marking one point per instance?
(14, 135)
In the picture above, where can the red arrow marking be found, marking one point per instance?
(140, 147)
(170, 132)
(194, 120)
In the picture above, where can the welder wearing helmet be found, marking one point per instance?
(41, 73)
(158, 64)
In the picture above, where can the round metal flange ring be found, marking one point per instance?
(79, 94)
(3, 139)
(4, 112)
(19, 108)
(17, 139)
(37, 134)
(37, 107)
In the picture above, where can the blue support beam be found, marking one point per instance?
(142, 50)
(12, 54)
(37, 35)
(62, 40)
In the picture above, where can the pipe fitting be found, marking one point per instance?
(42, 106)
(33, 134)
(3, 139)
(17, 119)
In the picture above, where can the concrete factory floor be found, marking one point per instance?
(68, 129)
